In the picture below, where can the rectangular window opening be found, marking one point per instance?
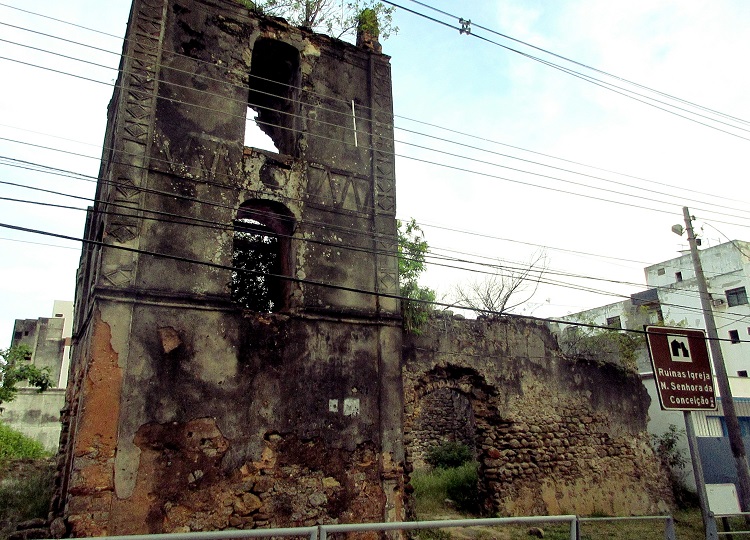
(736, 297)
(614, 322)
(734, 336)
(744, 422)
(678, 276)
(742, 373)
(272, 114)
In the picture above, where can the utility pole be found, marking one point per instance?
(727, 403)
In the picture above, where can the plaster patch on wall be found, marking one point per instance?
(351, 407)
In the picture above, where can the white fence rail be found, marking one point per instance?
(321, 532)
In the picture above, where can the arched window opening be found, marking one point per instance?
(274, 74)
(260, 256)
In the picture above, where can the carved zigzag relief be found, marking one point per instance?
(341, 191)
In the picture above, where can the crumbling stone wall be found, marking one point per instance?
(187, 440)
(553, 435)
(443, 414)
(187, 410)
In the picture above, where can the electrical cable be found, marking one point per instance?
(192, 221)
(460, 169)
(89, 178)
(346, 114)
(588, 78)
(585, 65)
(314, 283)
(189, 220)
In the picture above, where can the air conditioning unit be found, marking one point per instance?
(718, 302)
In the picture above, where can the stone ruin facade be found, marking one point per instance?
(203, 397)
(552, 435)
(239, 356)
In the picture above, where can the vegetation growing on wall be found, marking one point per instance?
(412, 248)
(333, 17)
(16, 367)
(602, 345)
(448, 455)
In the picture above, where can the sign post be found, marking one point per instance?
(684, 382)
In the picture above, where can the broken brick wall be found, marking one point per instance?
(552, 435)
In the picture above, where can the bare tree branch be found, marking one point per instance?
(505, 290)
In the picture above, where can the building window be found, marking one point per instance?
(261, 256)
(736, 297)
(734, 336)
(742, 373)
(614, 322)
(272, 96)
(678, 276)
(660, 272)
(744, 425)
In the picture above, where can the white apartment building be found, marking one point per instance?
(672, 299)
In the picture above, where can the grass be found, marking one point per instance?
(456, 484)
(431, 492)
(26, 480)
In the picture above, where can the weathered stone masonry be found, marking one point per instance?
(552, 435)
(188, 411)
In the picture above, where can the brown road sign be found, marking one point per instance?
(682, 368)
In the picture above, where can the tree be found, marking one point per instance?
(504, 290)
(257, 263)
(412, 248)
(15, 367)
(602, 345)
(333, 17)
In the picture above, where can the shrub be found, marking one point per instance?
(25, 496)
(666, 447)
(448, 455)
(16, 445)
(459, 484)
(461, 487)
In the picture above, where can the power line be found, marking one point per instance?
(506, 36)
(610, 86)
(493, 268)
(315, 283)
(456, 168)
(169, 217)
(88, 178)
(450, 167)
(346, 127)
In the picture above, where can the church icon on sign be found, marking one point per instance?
(679, 349)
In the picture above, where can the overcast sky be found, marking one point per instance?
(603, 210)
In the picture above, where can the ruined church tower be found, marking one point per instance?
(237, 354)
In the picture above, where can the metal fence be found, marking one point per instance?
(321, 532)
(669, 530)
(727, 532)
